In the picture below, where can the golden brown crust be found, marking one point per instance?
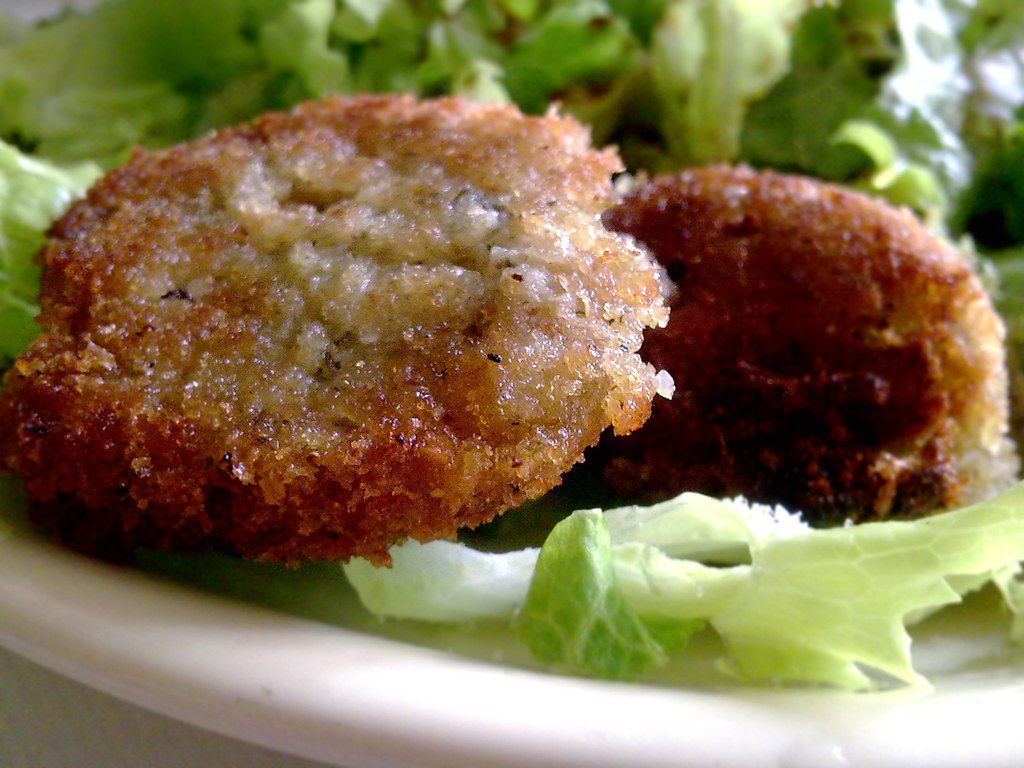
(328, 331)
(828, 352)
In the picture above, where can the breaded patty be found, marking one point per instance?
(330, 330)
(828, 352)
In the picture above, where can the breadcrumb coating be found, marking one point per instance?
(828, 352)
(329, 330)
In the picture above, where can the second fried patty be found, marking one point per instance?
(829, 353)
(330, 330)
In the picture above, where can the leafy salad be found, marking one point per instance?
(919, 101)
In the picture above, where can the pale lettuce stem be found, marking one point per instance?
(656, 585)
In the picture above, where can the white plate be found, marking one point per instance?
(353, 692)
(342, 692)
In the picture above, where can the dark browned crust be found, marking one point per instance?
(115, 452)
(829, 354)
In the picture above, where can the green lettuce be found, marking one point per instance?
(155, 72)
(444, 581)
(12, 496)
(296, 43)
(857, 109)
(32, 194)
(574, 44)
(902, 98)
(1009, 290)
(91, 86)
(710, 60)
(823, 606)
(791, 604)
(915, 100)
(994, 210)
(574, 615)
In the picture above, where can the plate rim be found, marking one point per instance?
(382, 702)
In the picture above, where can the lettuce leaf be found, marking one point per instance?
(1009, 299)
(994, 209)
(710, 60)
(791, 604)
(444, 581)
(902, 98)
(574, 615)
(32, 194)
(822, 606)
(1009, 292)
(155, 72)
(296, 42)
(91, 86)
(859, 110)
(578, 43)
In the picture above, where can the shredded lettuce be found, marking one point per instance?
(856, 109)
(915, 100)
(154, 72)
(710, 60)
(902, 98)
(91, 86)
(296, 43)
(32, 194)
(573, 44)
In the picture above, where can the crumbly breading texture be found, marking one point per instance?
(330, 330)
(828, 352)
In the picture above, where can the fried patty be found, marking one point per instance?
(828, 352)
(322, 333)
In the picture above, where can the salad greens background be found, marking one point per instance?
(918, 101)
